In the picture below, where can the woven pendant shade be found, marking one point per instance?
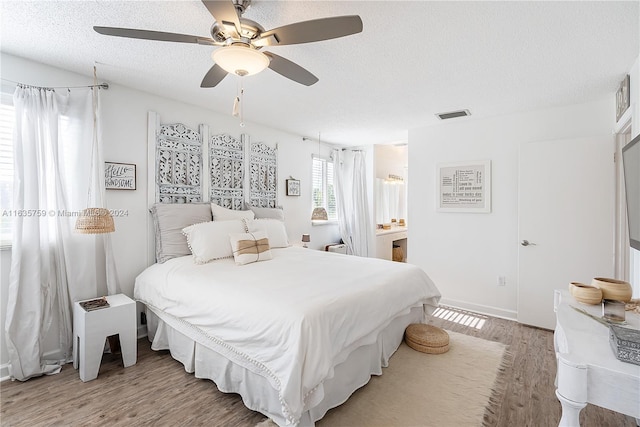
(95, 221)
(319, 214)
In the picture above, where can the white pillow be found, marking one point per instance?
(224, 214)
(275, 230)
(210, 240)
(250, 247)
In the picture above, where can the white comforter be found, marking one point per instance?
(292, 318)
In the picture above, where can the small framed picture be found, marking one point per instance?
(623, 99)
(293, 187)
(119, 176)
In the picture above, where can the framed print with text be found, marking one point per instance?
(464, 187)
(119, 176)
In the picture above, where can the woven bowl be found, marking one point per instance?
(585, 294)
(613, 288)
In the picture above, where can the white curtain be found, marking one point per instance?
(351, 199)
(50, 265)
(344, 225)
(361, 225)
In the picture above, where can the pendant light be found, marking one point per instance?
(94, 220)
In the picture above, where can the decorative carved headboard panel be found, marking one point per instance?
(191, 167)
(178, 164)
(264, 176)
(226, 163)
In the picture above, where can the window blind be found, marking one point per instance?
(331, 195)
(317, 183)
(322, 187)
(7, 120)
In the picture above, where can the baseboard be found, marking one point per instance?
(481, 309)
(142, 331)
(4, 372)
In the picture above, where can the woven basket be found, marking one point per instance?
(427, 338)
(397, 254)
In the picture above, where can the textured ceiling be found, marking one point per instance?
(412, 60)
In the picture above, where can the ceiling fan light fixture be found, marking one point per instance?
(240, 60)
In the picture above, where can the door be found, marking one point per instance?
(565, 221)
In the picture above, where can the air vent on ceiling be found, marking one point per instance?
(453, 114)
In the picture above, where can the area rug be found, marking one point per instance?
(418, 389)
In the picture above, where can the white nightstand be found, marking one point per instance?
(91, 329)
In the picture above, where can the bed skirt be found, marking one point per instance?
(256, 391)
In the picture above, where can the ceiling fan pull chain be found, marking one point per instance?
(241, 104)
(236, 101)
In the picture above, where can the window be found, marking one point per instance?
(7, 119)
(324, 195)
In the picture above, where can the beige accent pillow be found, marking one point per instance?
(273, 213)
(275, 230)
(169, 219)
(224, 214)
(250, 247)
(210, 240)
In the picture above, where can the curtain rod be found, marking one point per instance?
(99, 86)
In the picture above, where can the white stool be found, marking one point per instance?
(91, 329)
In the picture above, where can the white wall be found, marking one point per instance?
(124, 119)
(465, 253)
(390, 159)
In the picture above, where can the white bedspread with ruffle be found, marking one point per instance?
(290, 319)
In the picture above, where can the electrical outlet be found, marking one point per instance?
(502, 281)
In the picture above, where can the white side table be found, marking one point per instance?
(588, 371)
(91, 329)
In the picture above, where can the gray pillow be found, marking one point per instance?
(271, 213)
(169, 219)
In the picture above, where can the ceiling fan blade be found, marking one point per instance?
(311, 31)
(224, 12)
(153, 35)
(213, 76)
(290, 70)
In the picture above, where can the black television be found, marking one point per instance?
(631, 165)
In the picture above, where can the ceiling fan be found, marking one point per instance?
(240, 41)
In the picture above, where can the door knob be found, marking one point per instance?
(527, 243)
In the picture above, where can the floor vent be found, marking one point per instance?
(453, 114)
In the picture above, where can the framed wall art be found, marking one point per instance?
(464, 187)
(623, 99)
(119, 176)
(293, 187)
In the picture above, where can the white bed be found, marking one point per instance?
(295, 335)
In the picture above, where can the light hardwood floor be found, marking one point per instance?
(158, 392)
(529, 392)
